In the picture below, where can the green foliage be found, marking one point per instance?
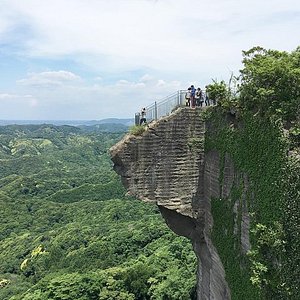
(268, 85)
(137, 129)
(270, 82)
(294, 135)
(224, 95)
(89, 191)
(217, 91)
(69, 232)
(258, 148)
(195, 143)
(269, 241)
(291, 227)
(229, 249)
(266, 105)
(75, 160)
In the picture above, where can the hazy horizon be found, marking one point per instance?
(123, 121)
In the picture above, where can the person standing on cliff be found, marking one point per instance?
(193, 93)
(143, 116)
(188, 97)
(206, 97)
(199, 99)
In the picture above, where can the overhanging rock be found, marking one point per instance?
(166, 165)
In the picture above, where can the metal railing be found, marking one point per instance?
(163, 107)
(166, 106)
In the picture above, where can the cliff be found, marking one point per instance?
(166, 165)
(216, 180)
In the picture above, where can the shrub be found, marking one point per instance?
(136, 129)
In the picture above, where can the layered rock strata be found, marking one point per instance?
(166, 165)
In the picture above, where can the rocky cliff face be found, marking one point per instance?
(167, 165)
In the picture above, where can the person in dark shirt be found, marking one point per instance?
(206, 97)
(199, 99)
(193, 93)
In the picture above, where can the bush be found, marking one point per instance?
(137, 129)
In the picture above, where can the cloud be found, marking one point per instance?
(146, 78)
(161, 35)
(6, 22)
(49, 78)
(6, 96)
(129, 84)
(94, 59)
(161, 82)
(87, 101)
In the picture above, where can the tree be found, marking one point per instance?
(270, 82)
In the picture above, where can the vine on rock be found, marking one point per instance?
(257, 124)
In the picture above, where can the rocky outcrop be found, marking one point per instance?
(166, 165)
(162, 165)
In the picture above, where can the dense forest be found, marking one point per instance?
(68, 231)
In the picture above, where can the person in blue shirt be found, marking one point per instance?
(193, 93)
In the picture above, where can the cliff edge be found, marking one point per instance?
(166, 165)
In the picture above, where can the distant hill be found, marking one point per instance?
(105, 127)
(125, 122)
(37, 130)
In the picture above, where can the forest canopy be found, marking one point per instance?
(69, 232)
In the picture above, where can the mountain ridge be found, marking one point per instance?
(126, 122)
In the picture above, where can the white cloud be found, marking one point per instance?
(163, 35)
(88, 101)
(146, 78)
(6, 22)
(126, 84)
(6, 96)
(161, 82)
(143, 49)
(49, 78)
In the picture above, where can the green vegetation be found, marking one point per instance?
(195, 143)
(270, 82)
(137, 129)
(69, 232)
(257, 123)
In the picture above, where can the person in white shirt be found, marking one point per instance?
(143, 116)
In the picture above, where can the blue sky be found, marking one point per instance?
(95, 59)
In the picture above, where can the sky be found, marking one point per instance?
(96, 59)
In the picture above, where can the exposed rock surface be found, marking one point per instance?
(162, 165)
(166, 165)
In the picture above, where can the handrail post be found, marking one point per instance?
(155, 111)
